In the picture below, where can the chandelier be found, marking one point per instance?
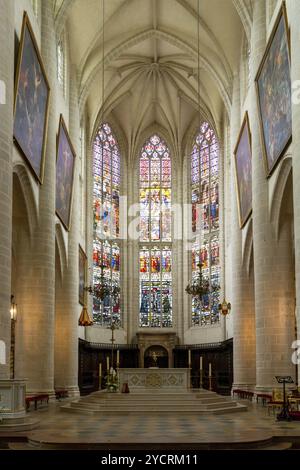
(199, 286)
(104, 288)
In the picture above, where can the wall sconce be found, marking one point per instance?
(13, 316)
(13, 309)
(224, 307)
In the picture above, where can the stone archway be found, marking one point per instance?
(156, 356)
(147, 340)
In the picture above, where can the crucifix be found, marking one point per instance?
(112, 327)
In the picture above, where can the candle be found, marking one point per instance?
(107, 363)
(100, 369)
(118, 357)
(209, 373)
(201, 365)
(190, 357)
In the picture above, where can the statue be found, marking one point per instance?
(154, 358)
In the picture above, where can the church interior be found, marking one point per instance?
(149, 242)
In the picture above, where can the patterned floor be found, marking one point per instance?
(250, 426)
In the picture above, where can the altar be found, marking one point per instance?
(164, 380)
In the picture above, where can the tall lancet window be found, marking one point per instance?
(106, 249)
(205, 222)
(155, 234)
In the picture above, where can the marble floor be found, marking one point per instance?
(252, 428)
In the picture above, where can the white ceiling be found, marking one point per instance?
(151, 60)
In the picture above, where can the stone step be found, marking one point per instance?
(153, 406)
(149, 402)
(278, 446)
(20, 424)
(143, 396)
(136, 411)
(156, 400)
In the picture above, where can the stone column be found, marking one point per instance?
(6, 143)
(294, 18)
(89, 213)
(36, 272)
(66, 317)
(274, 318)
(242, 307)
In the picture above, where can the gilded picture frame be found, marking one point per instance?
(243, 171)
(82, 265)
(65, 168)
(31, 102)
(273, 90)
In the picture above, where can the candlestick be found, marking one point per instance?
(100, 375)
(209, 370)
(190, 358)
(118, 358)
(201, 364)
(201, 378)
(107, 363)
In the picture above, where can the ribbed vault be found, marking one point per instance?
(151, 59)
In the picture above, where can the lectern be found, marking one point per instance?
(284, 415)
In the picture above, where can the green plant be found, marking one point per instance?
(112, 381)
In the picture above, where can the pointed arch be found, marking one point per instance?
(155, 197)
(61, 249)
(243, 8)
(248, 247)
(204, 196)
(222, 82)
(106, 209)
(277, 194)
(29, 196)
(161, 131)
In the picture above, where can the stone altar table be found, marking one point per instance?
(163, 380)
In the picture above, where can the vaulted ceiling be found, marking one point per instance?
(151, 59)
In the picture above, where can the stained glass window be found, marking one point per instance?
(61, 63)
(155, 234)
(205, 222)
(106, 251)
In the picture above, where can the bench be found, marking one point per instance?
(61, 394)
(264, 397)
(243, 394)
(295, 415)
(35, 399)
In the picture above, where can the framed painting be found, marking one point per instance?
(273, 86)
(243, 171)
(82, 274)
(65, 166)
(31, 102)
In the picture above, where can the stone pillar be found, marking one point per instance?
(66, 315)
(89, 213)
(6, 143)
(294, 18)
(242, 307)
(36, 277)
(274, 318)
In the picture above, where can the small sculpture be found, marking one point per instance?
(154, 358)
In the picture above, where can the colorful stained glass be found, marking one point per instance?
(155, 202)
(155, 229)
(156, 287)
(106, 252)
(205, 222)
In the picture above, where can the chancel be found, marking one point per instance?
(150, 223)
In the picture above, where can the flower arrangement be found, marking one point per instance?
(112, 381)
